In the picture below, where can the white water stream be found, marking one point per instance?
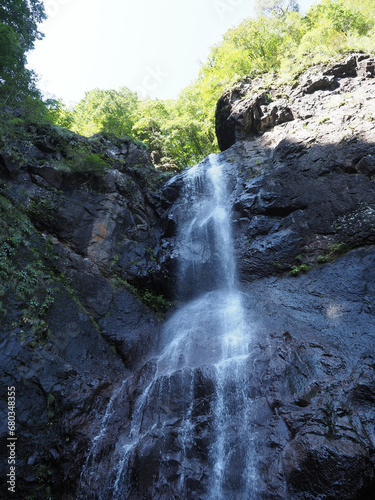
(208, 333)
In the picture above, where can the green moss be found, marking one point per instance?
(51, 406)
(335, 251)
(42, 209)
(303, 268)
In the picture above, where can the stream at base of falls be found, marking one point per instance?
(181, 427)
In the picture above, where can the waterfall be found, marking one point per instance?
(182, 426)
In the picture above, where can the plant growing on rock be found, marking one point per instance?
(303, 268)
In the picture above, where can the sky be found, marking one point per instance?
(153, 47)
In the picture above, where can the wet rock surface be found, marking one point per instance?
(78, 223)
(309, 383)
(303, 191)
(300, 170)
(316, 376)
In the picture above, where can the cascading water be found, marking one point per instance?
(182, 426)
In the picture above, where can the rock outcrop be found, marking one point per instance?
(80, 222)
(303, 191)
(91, 220)
(242, 112)
(301, 173)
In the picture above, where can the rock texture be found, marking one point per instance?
(314, 380)
(305, 188)
(301, 175)
(91, 234)
(301, 167)
(303, 200)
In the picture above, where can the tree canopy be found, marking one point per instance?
(18, 31)
(276, 46)
(106, 110)
(23, 16)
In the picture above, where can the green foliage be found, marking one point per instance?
(177, 132)
(322, 259)
(339, 248)
(18, 31)
(11, 53)
(271, 49)
(105, 111)
(343, 16)
(24, 272)
(296, 270)
(23, 16)
(41, 210)
(157, 302)
(78, 156)
(336, 250)
(90, 163)
(60, 114)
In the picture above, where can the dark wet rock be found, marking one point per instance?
(304, 189)
(141, 334)
(309, 381)
(300, 180)
(239, 116)
(64, 375)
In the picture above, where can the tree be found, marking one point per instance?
(105, 111)
(276, 7)
(271, 49)
(344, 16)
(18, 31)
(150, 118)
(23, 16)
(11, 53)
(59, 113)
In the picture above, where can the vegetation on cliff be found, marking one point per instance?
(274, 47)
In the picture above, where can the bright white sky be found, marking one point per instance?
(154, 47)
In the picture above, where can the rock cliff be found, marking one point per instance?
(92, 227)
(81, 290)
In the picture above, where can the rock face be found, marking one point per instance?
(303, 196)
(238, 116)
(300, 165)
(301, 173)
(304, 193)
(314, 374)
(80, 220)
